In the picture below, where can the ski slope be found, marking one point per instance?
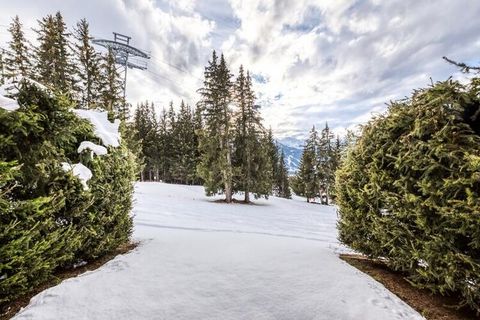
(200, 259)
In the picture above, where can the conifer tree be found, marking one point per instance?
(147, 130)
(17, 59)
(53, 57)
(272, 155)
(326, 163)
(164, 147)
(185, 145)
(282, 182)
(215, 166)
(111, 86)
(88, 66)
(251, 157)
(2, 67)
(307, 183)
(198, 126)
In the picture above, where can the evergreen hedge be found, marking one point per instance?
(47, 219)
(409, 189)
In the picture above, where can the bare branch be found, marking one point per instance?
(465, 68)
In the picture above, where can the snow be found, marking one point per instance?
(8, 103)
(200, 259)
(10, 88)
(80, 171)
(95, 148)
(104, 129)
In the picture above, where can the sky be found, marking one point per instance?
(312, 61)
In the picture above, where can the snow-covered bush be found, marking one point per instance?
(409, 189)
(58, 205)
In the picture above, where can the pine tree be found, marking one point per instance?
(307, 183)
(198, 127)
(2, 67)
(185, 145)
(53, 57)
(17, 58)
(146, 127)
(88, 66)
(251, 160)
(326, 164)
(283, 183)
(272, 155)
(215, 166)
(111, 97)
(164, 147)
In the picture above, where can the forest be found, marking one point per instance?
(405, 187)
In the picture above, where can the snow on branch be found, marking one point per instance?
(79, 171)
(103, 128)
(95, 148)
(8, 103)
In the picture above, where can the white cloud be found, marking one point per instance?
(329, 60)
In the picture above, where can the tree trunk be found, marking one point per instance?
(247, 196)
(327, 196)
(228, 192)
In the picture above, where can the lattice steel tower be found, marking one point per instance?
(124, 52)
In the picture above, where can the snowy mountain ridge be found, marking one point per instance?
(292, 149)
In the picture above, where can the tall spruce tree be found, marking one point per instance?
(307, 183)
(198, 126)
(215, 166)
(2, 67)
(111, 97)
(185, 145)
(282, 182)
(164, 147)
(326, 164)
(53, 57)
(17, 61)
(272, 155)
(252, 166)
(88, 66)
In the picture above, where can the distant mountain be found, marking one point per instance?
(292, 142)
(293, 153)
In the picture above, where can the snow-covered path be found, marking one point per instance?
(198, 259)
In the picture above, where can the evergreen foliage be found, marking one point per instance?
(168, 144)
(54, 64)
(88, 67)
(253, 169)
(215, 167)
(307, 182)
(2, 67)
(320, 159)
(111, 97)
(282, 181)
(48, 220)
(409, 189)
(17, 59)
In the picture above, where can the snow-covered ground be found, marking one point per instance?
(198, 259)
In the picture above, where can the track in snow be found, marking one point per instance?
(198, 259)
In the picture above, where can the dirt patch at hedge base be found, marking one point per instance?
(431, 306)
(10, 309)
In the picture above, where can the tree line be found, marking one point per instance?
(320, 159)
(66, 61)
(221, 143)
